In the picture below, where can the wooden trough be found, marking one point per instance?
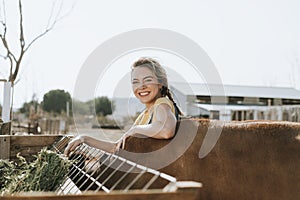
(251, 160)
(97, 174)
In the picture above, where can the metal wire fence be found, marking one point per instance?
(96, 170)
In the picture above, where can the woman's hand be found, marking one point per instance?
(107, 146)
(73, 144)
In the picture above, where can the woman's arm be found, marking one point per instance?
(162, 128)
(100, 144)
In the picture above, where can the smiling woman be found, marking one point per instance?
(150, 86)
(158, 120)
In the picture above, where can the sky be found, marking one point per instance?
(250, 42)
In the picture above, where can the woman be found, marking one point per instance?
(158, 120)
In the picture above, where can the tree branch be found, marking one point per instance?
(22, 45)
(4, 13)
(22, 40)
(50, 25)
(9, 54)
(5, 44)
(36, 38)
(15, 63)
(51, 14)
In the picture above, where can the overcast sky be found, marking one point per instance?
(251, 42)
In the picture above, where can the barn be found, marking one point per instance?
(232, 102)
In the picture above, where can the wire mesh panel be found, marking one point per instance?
(96, 170)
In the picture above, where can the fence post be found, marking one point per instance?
(4, 147)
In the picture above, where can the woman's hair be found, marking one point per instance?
(161, 75)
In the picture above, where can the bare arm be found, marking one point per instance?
(100, 144)
(162, 128)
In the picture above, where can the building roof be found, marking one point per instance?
(211, 107)
(235, 91)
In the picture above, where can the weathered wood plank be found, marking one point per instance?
(4, 147)
(29, 145)
(188, 194)
(34, 140)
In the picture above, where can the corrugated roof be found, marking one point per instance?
(235, 91)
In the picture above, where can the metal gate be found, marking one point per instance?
(97, 170)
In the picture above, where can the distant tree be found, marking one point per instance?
(90, 105)
(81, 107)
(55, 101)
(104, 106)
(26, 107)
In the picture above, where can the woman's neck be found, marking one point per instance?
(149, 105)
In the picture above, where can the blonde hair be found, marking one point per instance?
(160, 74)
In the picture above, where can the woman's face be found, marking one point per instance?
(145, 85)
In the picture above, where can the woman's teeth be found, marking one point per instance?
(144, 93)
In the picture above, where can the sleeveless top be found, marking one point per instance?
(147, 117)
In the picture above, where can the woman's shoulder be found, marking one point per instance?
(164, 100)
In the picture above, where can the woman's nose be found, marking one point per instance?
(139, 86)
(142, 85)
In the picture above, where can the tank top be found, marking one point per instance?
(146, 117)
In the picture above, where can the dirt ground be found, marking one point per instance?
(103, 134)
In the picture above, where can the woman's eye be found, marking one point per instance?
(148, 80)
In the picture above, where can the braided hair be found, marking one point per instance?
(161, 75)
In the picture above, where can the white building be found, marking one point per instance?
(229, 102)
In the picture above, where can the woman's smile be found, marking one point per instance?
(143, 94)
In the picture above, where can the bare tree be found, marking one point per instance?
(15, 56)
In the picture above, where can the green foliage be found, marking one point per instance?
(83, 108)
(103, 106)
(6, 171)
(26, 107)
(102, 120)
(55, 101)
(45, 173)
